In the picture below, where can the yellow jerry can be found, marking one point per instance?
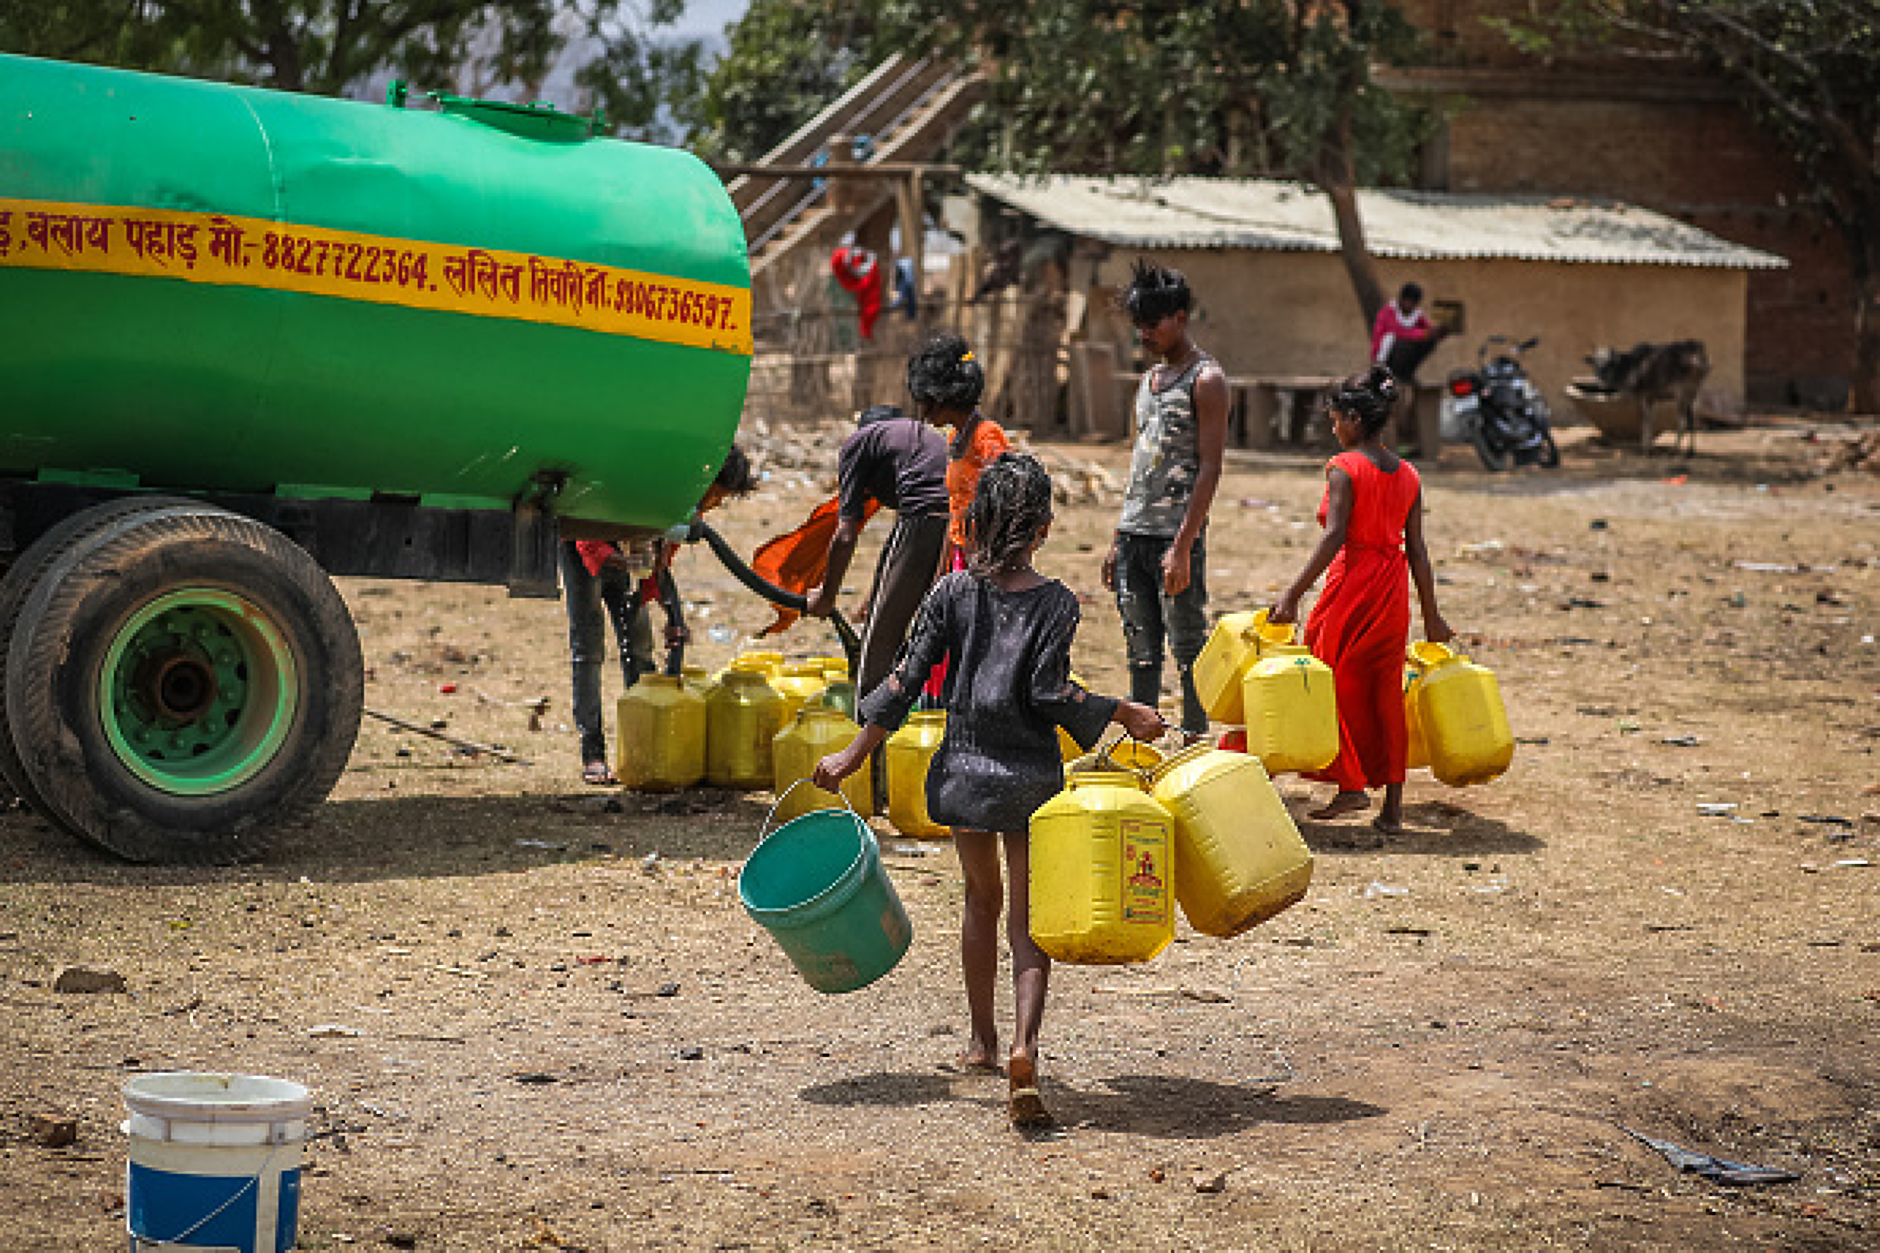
(743, 714)
(1236, 643)
(833, 668)
(1464, 722)
(801, 683)
(1121, 755)
(1416, 748)
(814, 733)
(910, 751)
(1101, 887)
(661, 722)
(1239, 859)
(767, 661)
(1291, 710)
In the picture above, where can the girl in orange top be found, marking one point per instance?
(946, 382)
(1372, 515)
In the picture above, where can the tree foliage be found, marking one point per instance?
(1808, 72)
(787, 60)
(330, 46)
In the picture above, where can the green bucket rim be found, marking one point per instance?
(806, 911)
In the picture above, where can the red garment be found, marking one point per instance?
(1392, 325)
(594, 555)
(859, 272)
(796, 562)
(1361, 623)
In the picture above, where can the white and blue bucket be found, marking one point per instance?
(214, 1162)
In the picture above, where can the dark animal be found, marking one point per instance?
(1651, 373)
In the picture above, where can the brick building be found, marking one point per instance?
(1657, 135)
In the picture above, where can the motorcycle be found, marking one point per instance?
(1497, 408)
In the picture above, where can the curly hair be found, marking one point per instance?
(1153, 292)
(736, 477)
(942, 374)
(1369, 396)
(1010, 509)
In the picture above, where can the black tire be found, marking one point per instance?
(1549, 455)
(24, 575)
(1493, 456)
(191, 625)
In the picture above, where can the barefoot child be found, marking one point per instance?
(1372, 515)
(1009, 631)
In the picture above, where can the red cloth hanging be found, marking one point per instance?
(797, 561)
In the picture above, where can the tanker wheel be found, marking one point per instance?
(25, 574)
(182, 685)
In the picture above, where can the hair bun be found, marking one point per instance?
(1384, 383)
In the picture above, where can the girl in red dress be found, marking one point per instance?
(1372, 515)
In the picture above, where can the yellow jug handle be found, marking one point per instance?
(1263, 632)
(1429, 655)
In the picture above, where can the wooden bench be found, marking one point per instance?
(1267, 410)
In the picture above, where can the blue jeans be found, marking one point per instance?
(594, 600)
(1151, 616)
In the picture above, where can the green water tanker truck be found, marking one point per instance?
(250, 340)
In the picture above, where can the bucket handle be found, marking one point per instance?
(764, 832)
(140, 1241)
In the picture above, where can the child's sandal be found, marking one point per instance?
(1026, 1104)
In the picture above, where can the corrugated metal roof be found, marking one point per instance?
(1407, 225)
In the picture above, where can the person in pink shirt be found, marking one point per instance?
(1401, 338)
(1403, 334)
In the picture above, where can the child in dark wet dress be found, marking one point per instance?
(1009, 631)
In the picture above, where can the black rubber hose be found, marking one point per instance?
(851, 642)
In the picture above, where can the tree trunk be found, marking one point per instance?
(1357, 257)
(1863, 254)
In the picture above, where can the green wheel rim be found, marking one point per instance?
(197, 692)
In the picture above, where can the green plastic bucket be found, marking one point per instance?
(817, 885)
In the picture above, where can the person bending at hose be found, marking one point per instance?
(1372, 513)
(605, 581)
(1009, 630)
(902, 463)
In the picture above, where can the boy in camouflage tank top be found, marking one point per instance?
(1156, 565)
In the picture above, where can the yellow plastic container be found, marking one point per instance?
(800, 684)
(833, 668)
(661, 722)
(1236, 643)
(1291, 709)
(743, 714)
(1122, 755)
(910, 751)
(769, 662)
(1416, 749)
(814, 733)
(1238, 856)
(1463, 720)
(1101, 882)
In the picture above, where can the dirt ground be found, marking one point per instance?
(535, 1016)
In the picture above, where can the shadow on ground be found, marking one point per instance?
(425, 837)
(1170, 1107)
(1432, 827)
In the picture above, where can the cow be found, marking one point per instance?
(1651, 373)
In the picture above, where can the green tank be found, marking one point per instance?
(249, 340)
(205, 286)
